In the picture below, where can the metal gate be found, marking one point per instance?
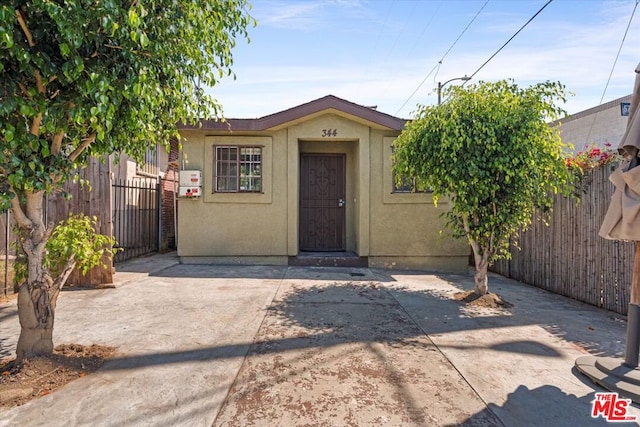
(136, 218)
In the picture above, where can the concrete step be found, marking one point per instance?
(328, 259)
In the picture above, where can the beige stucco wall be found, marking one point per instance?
(218, 225)
(393, 230)
(599, 125)
(406, 228)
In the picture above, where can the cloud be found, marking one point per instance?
(301, 15)
(577, 52)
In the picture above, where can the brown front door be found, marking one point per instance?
(322, 202)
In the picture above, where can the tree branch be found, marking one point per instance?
(35, 213)
(474, 244)
(35, 125)
(24, 90)
(64, 275)
(25, 29)
(85, 143)
(56, 143)
(47, 233)
(137, 52)
(29, 36)
(39, 84)
(18, 213)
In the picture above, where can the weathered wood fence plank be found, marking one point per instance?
(92, 201)
(569, 258)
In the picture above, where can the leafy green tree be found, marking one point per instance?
(490, 151)
(88, 77)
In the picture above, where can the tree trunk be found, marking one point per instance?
(480, 258)
(37, 296)
(481, 280)
(36, 307)
(482, 266)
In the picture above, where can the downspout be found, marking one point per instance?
(175, 210)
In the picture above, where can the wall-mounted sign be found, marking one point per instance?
(624, 108)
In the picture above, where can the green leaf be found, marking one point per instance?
(134, 21)
(8, 134)
(64, 49)
(6, 38)
(144, 40)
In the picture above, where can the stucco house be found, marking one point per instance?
(312, 184)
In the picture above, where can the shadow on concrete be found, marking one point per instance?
(200, 271)
(272, 272)
(532, 348)
(331, 314)
(570, 320)
(5, 350)
(8, 311)
(334, 309)
(540, 406)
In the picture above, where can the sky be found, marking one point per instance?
(392, 54)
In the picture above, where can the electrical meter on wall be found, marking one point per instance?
(190, 184)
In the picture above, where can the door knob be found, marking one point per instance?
(341, 202)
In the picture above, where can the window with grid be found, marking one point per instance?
(238, 169)
(149, 164)
(406, 184)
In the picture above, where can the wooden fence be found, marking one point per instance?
(139, 213)
(7, 253)
(569, 258)
(92, 201)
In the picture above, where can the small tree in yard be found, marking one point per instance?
(490, 151)
(89, 77)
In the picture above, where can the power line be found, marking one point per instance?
(615, 61)
(441, 59)
(463, 31)
(511, 38)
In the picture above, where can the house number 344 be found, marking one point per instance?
(329, 132)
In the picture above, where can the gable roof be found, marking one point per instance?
(324, 105)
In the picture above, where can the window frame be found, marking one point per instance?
(407, 187)
(239, 165)
(411, 187)
(150, 163)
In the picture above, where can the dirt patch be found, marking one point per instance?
(489, 300)
(41, 375)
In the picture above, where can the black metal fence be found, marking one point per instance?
(136, 218)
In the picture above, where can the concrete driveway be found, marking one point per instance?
(293, 346)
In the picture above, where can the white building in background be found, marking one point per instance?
(599, 125)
